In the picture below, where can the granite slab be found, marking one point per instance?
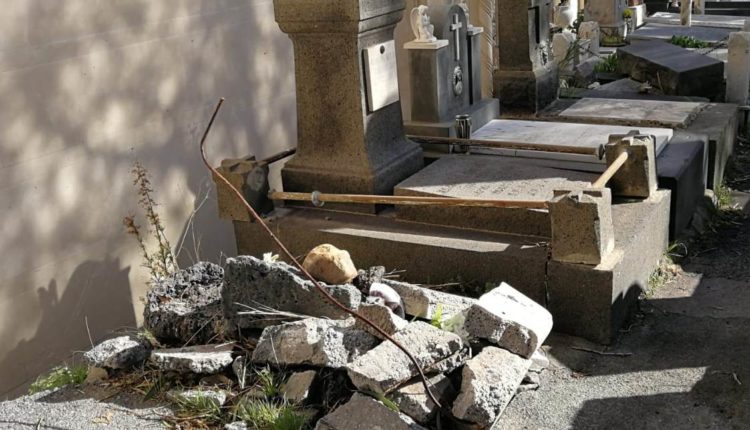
(721, 21)
(654, 112)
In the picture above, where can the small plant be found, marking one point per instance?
(608, 65)
(611, 40)
(160, 263)
(437, 319)
(688, 42)
(59, 377)
(627, 14)
(268, 414)
(723, 197)
(268, 383)
(199, 406)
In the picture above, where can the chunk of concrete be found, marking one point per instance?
(205, 359)
(509, 320)
(582, 229)
(413, 400)
(254, 282)
(121, 352)
(217, 397)
(539, 361)
(237, 425)
(637, 177)
(424, 303)
(329, 264)
(489, 382)
(365, 413)
(314, 342)
(297, 387)
(186, 306)
(386, 367)
(382, 316)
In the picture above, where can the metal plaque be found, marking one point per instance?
(381, 75)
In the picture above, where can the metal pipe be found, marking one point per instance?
(597, 152)
(318, 199)
(611, 171)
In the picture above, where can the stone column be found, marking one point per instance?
(738, 68)
(349, 123)
(589, 30)
(686, 12)
(526, 80)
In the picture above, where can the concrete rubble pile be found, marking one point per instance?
(476, 353)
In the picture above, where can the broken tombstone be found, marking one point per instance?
(121, 352)
(205, 359)
(186, 306)
(279, 291)
(509, 320)
(386, 367)
(314, 342)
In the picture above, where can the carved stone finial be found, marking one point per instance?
(421, 26)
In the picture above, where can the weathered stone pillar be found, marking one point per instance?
(589, 30)
(637, 177)
(738, 68)
(526, 80)
(350, 129)
(582, 230)
(686, 12)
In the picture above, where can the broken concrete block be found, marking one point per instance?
(424, 303)
(313, 342)
(509, 320)
(582, 229)
(637, 177)
(205, 359)
(186, 306)
(248, 176)
(539, 361)
(489, 382)
(413, 400)
(254, 282)
(121, 352)
(382, 316)
(365, 413)
(217, 397)
(297, 387)
(331, 265)
(386, 366)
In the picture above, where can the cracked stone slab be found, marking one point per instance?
(386, 367)
(365, 413)
(297, 388)
(413, 400)
(314, 342)
(510, 320)
(204, 359)
(489, 382)
(382, 316)
(424, 303)
(121, 352)
(277, 285)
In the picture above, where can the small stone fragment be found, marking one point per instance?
(297, 387)
(121, 352)
(425, 303)
(382, 316)
(365, 278)
(277, 285)
(205, 360)
(186, 306)
(488, 384)
(96, 374)
(388, 296)
(539, 361)
(313, 342)
(365, 413)
(386, 367)
(509, 320)
(237, 425)
(331, 265)
(217, 397)
(413, 400)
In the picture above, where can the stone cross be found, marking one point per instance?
(455, 28)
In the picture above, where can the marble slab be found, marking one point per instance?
(382, 77)
(666, 31)
(647, 112)
(721, 21)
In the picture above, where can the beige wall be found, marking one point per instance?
(87, 87)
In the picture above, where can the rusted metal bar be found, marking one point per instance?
(280, 156)
(598, 151)
(318, 199)
(611, 171)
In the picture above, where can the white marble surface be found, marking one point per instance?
(662, 113)
(722, 21)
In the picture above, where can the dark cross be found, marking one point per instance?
(456, 29)
(535, 11)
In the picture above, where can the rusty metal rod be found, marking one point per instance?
(318, 198)
(280, 156)
(611, 171)
(598, 151)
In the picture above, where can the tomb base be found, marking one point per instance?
(526, 91)
(588, 301)
(481, 113)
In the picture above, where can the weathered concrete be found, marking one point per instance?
(314, 342)
(424, 302)
(331, 265)
(637, 177)
(248, 176)
(589, 30)
(253, 282)
(412, 398)
(510, 320)
(382, 316)
(121, 352)
(489, 382)
(626, 112)
(205, 359)
(361, 413)
(386, 367)
(186, 306)
(720, 21)
(738, 68)
(582, 228)
(296, 389)
(665, 32)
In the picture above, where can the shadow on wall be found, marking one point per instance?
(87, 89)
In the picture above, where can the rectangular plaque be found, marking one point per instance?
(381, 75)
